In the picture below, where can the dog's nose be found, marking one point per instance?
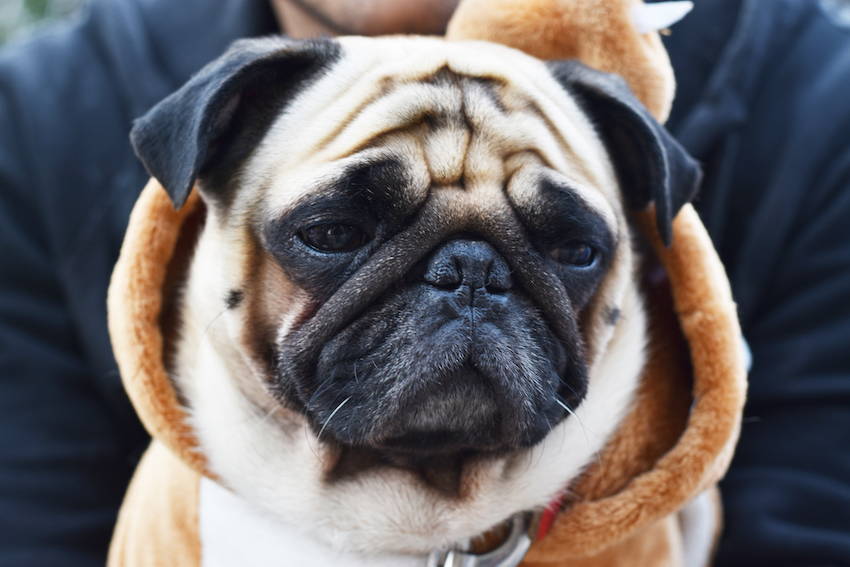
(468, 263)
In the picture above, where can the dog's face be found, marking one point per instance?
(411, 311)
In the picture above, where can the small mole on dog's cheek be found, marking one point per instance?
(234, 298)
(613, 315)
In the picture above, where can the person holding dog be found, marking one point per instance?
(759, 103)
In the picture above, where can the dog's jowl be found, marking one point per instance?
(411, 311)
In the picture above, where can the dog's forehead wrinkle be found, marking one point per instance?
(495, 91)
(379, 176)
(466, 101)
(387, 171)
(500, 136)
(584, 198)
(445, 150)
(530, 176)
(405, 105)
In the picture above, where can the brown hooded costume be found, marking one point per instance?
(674, 445)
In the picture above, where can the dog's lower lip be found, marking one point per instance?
(417, 444)
(460, 413)
(443, 472)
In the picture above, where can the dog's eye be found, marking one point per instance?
(334, 237)
(578, 255)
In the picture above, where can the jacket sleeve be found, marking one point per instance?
(65, 454)
(764, 107)
(69, 438)
(787, 494)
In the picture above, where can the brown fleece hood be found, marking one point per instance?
(678, 439)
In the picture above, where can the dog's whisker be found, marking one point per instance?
(530, 455)
(204, 334)
(258, 448)
(569, 410)
(321, 389)
(310, 445)
(348, 425)
(583, 429)
(261, 417)
(269, 413)
(561, 380)
(330, 417)
(563, 438)
(542, 449)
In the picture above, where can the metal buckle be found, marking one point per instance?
(509, 554)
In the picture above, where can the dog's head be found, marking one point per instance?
(413, 296)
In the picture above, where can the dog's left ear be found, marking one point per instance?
(172, 140)
(651, 165)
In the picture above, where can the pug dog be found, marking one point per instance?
(412, 311)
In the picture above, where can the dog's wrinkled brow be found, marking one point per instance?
(383, 182)
(557, 210)
(365, 193)
(380, 186)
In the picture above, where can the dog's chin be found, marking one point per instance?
(424, 382)
(444, 472)
(443, 434)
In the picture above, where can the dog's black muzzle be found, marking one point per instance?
(456, 358)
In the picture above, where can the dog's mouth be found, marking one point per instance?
(443, 472)
(435, 457)
(440, 432)
(427, 383)
(434, 437)
(453, 364)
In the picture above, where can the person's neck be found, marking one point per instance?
(299, 21)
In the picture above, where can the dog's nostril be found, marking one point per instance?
(445, 275)
(471, 263)
(498, 278)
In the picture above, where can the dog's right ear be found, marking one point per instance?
(651, 165)
(172, 140)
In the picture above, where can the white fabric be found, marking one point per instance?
(698, 520)
(661, 15)
(748, 354)
(235, 534)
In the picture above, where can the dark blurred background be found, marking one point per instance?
(17, 16)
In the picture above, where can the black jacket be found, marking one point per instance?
(763, 103)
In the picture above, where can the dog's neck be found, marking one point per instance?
(231, 529)
(234, 532)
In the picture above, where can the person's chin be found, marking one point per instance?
(311, 18)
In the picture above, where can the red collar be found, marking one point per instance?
(547, 518)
